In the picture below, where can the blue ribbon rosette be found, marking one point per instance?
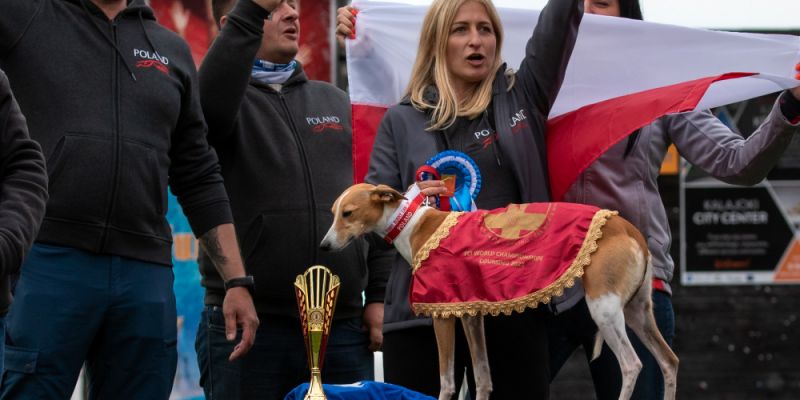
(449, 164)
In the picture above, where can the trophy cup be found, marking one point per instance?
(316, 292)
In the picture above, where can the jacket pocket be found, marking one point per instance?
(79, 171)
(141, 194)
(276, 249)
(249, 241)
(21, 360)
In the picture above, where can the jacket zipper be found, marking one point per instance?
(115, 140)
(306, 173)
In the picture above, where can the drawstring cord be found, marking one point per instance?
(146, 35)
(496, 137)
(108, 39)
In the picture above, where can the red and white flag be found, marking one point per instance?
(623, 75)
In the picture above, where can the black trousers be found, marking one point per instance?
(518, 357)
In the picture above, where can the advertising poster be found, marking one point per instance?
(734, 235)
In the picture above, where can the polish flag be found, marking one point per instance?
(623, 75)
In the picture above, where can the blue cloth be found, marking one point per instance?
(277, 362)
(575, 327)
(189, 301)
(366, 390)
(267, 72)
(114, 313)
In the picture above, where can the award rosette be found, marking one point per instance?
(460, 174)
(316, 291)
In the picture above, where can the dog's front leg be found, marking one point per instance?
(445, 340)
(473, 328)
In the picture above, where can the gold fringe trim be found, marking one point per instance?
(543, 296)
(433, 242)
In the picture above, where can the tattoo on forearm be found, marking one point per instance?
(212, 247)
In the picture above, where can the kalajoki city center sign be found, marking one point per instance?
(742, 235)
(737, 235)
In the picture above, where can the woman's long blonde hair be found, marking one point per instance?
(430, 67)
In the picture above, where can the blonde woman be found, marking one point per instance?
(462, 96)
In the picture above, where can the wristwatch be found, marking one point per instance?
(244, 281)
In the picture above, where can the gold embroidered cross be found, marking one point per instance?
(509, 223)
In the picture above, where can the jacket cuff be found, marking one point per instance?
(203, 219)
(251, 14)
(374, 295)
(790, 107)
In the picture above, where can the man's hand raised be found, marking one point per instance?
(269, 5)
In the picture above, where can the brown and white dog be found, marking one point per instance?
(617, 285)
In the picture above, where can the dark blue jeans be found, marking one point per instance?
(115, 314)
(575, 327)
(277, 362)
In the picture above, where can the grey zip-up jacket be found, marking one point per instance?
(520, 115)
(286, 157)
(629, 184)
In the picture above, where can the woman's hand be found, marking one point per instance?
(796, 91)
(345, 23)
(431, 189)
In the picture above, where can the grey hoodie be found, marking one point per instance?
(629, 184)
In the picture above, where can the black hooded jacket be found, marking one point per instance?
(286, 157)
(114, 105)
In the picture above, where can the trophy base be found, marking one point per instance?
(315, 391)
(317, 394)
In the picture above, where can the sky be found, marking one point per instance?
(726, 14)
(714, 14)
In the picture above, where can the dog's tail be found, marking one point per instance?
(598, 346)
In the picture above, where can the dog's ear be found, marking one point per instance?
(385, 194)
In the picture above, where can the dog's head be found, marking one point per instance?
(359, 210)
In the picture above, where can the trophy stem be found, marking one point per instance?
(315, 387)
(316, 291)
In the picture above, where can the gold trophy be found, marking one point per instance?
(316, 292)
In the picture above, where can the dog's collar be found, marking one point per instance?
(403, 214)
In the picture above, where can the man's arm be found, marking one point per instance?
(220, 245)
(195, 179)
(23, 183)
(225, 72)
(380, 257)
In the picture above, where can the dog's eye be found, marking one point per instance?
(347, 214)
